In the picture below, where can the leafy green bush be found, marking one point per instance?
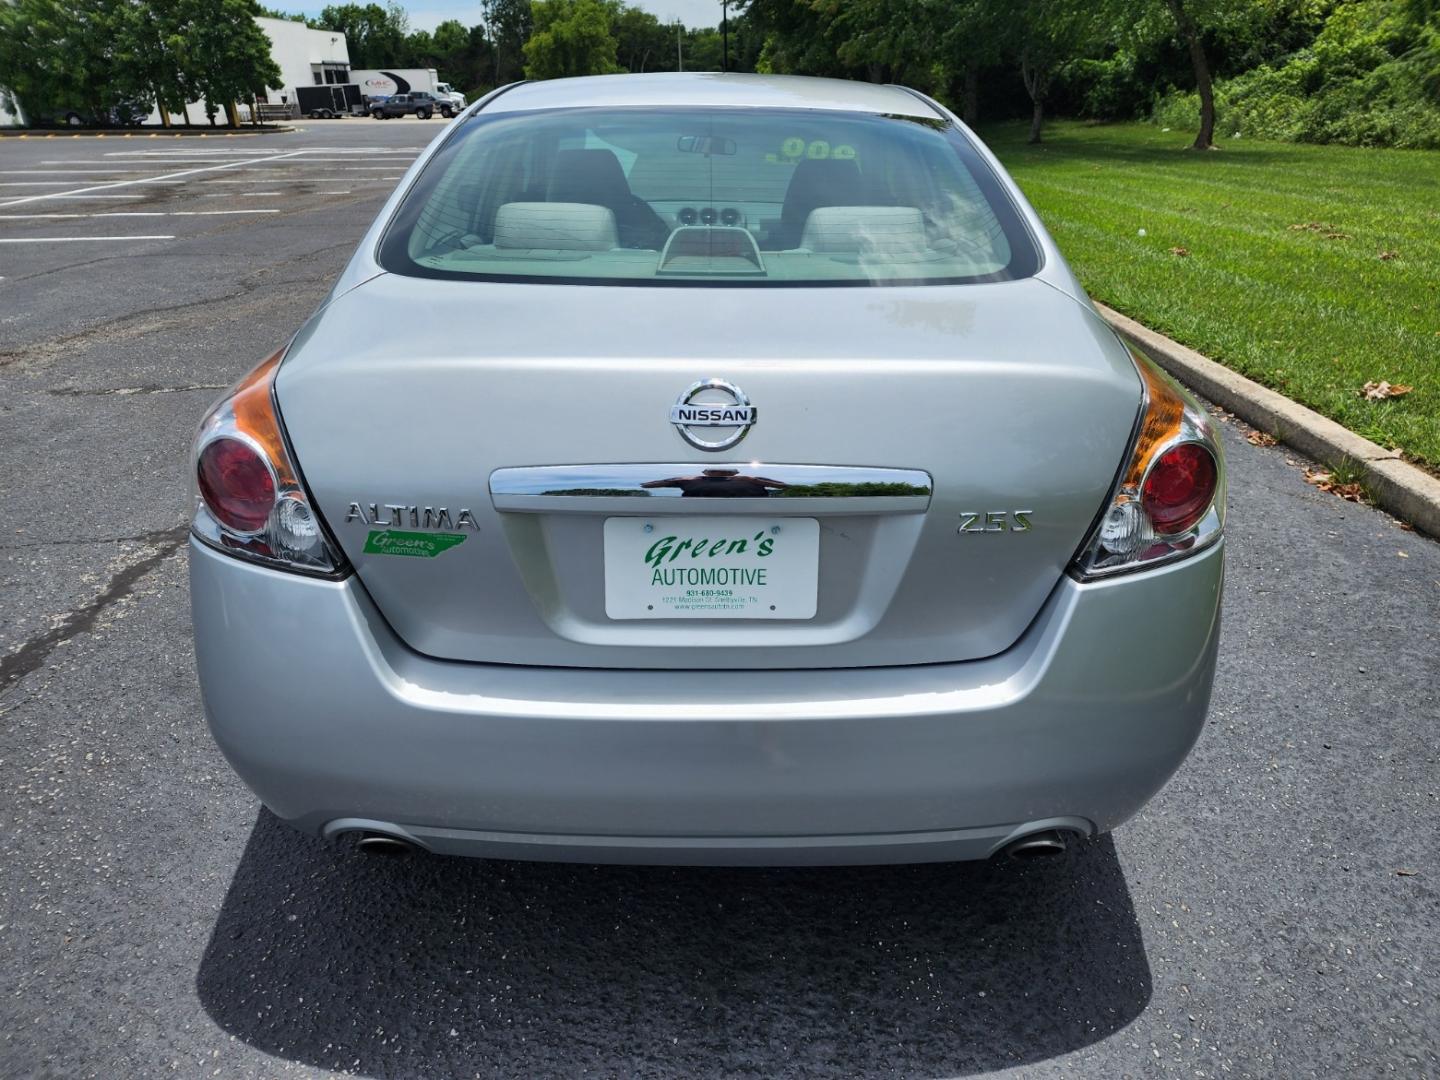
(1361, 83)
(1103, 89)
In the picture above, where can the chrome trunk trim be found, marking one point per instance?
(740, 487)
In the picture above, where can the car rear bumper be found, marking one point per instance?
(338, 726)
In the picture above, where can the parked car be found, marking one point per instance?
(422, 104)
(121, 114)
(702, 470)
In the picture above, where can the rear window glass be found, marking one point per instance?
(754, 197)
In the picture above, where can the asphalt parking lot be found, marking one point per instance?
(1274, 911)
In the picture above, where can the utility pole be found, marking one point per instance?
(679, 50)
(724, 35)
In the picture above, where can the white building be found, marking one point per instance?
(305, 57)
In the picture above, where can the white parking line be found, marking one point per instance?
(111, 213)
(66, 172)
(345, 154)
(299, 180)
(82, 198)
(137, 213)
(97, 161)
(254, 194)
(390, 162)
(152, 179)
(73, 239)
(65, 183)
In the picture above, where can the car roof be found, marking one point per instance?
(712, 88)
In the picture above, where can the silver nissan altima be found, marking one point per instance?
(707, 469)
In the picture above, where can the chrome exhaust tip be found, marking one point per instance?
(1039, 845)
(389, 846)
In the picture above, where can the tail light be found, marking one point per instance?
(249, 499)
(1170, 500)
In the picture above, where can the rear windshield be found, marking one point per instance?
(754, 197)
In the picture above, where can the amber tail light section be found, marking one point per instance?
(1169, 501)
(248, 497)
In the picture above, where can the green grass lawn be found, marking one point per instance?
(1284, 280)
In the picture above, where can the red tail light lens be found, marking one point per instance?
(236, 484)
(1169, 501)
(1179, 488)
(248, 498)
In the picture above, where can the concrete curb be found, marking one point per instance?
(1408, 492)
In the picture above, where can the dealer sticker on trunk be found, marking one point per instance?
(713, 567)
(416, 545)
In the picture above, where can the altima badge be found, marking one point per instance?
(713, 403)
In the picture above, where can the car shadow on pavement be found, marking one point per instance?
(427, 966)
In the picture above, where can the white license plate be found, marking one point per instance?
(721, 567)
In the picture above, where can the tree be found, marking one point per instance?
(971, 38)
(508, 24)
(890, 40)
(703, 48)
(374, 35)
(57, 57)
(642, 42)
(1190, 22)
(228, 54)
(1043, 34)
(1189, 32)
(450, 40)
(572, 37)
(1421, 20)
(798, 39)
(149, 43)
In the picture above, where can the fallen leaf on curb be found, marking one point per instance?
(1379, 391)
(1402, 872)
(1180, 251)
(1261, 438)
(1326, 482)
(1386, 256)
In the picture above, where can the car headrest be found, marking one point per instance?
(555, 226)
(592, 176)
(866, 229)
(820, 182)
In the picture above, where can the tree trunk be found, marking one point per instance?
(1205, 137)
(970, 97)
(1037, 81)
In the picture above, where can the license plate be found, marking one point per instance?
(720, 567)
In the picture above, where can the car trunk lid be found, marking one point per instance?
(927, 460)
